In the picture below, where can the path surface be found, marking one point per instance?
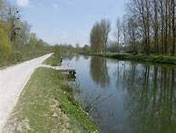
(12, 82)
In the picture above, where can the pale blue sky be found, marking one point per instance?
(68, 21)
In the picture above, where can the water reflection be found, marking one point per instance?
(152, 105)
(99, 71)
(135, 98)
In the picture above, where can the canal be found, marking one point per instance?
(125, 96)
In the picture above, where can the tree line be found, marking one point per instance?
(17, 43)
(148, 26)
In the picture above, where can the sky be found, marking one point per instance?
(68, 21)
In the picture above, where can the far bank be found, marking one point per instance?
(159, 59)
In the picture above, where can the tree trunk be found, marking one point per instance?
(173, 27)
(162, 27)
(156, 25)
(166, 27)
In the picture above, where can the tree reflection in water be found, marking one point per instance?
(99, 71)
(152, 104)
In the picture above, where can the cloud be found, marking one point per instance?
(22, 2)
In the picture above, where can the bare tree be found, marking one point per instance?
(162, 25)
(155, 24)
(118, 32)
(173, 26)
(166, 27)
(13, 19)
(132, 34)
(148, 27)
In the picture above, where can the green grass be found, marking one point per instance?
(54, 60)
(20, 56)
(140, 57)
(47, 106)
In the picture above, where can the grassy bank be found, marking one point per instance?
(53, 60)
(140, 57)
(47, 106)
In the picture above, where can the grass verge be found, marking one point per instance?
(140, 57)
(53, 60)
(18, 56)
(47, 106)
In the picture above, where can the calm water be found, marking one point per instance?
(127, 97)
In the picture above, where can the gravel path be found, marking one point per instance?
(12, 82)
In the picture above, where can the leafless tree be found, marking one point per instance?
(118, 32)
(155, 25)
(173, 26)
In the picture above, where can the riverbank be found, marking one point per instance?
(54, 60)
(47, 105)
(140, 57)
